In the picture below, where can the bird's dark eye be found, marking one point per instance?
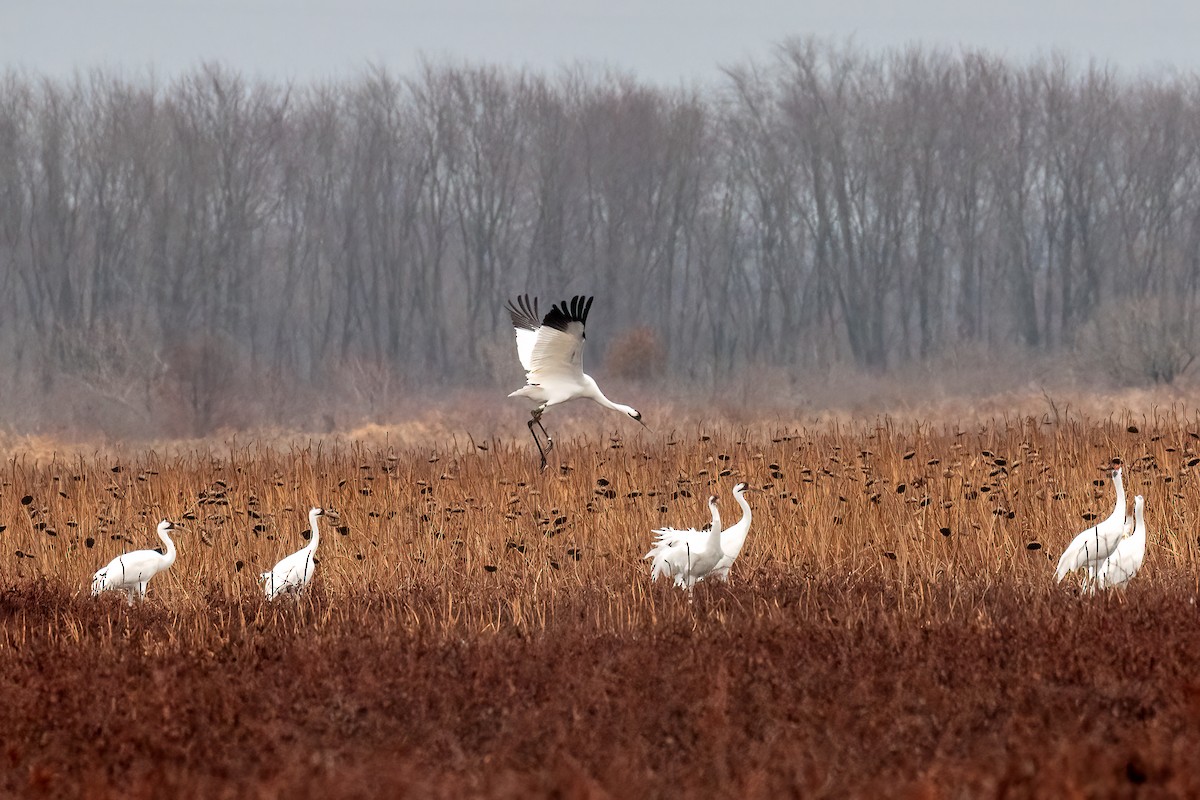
(638, 417)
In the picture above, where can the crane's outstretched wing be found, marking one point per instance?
(551, 346)
(558, 349)
(526, 323)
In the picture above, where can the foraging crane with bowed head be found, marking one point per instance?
(1126, 558)
(130, 572)
(551, 351)
(294, 573)
(1090, 548)
(688, 555)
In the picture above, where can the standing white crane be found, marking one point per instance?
(672, 546)
(1126, 558)
(551, 351)
(688, 555)
(1092, 546)
(130, 572)
(671, 552)
(293, 573)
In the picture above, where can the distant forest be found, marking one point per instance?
(211, 240)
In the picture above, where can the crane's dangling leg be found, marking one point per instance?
(549, 438)
(536, 418)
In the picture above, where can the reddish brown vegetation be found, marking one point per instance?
(888, 631)
(832, 692)
(636, 355)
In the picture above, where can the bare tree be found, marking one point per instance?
(210, 240)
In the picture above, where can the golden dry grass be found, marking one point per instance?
(477, 626)
(908, 504)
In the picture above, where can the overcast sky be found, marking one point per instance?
(667, 41)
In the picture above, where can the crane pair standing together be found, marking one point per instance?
(130, 572)
(690, 556)
(1112, 551)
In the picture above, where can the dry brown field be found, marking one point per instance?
(479, 628)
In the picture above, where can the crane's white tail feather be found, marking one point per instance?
(671, 553)
(1083, 552)
(1071, 560)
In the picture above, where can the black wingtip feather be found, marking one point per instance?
(564, 313)
(524, 313)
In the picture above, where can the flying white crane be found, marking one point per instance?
(688, 555)
(671, 546)
(551, 351)
(1126, 558)
(1092, 546)
(293, 573)
(131, 572)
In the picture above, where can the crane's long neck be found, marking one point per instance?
(745, 520)
(169, 555)
(716, 515)
(316, 534)
(714, 540)
(1120, 485)
(597, 395)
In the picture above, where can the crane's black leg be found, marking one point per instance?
(541, 452)
(549, 439)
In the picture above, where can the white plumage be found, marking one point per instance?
(130, 572)
(733, 539)
(293, 573)
(1092, 546)
(687, 555)
(551, 351)
(672, 547)
(671, 552)
(1126, 558)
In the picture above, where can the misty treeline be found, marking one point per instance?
(236, 250)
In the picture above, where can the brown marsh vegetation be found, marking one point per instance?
(476, 627)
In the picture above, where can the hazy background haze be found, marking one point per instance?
(664, 42)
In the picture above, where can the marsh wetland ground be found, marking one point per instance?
(478, 628)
